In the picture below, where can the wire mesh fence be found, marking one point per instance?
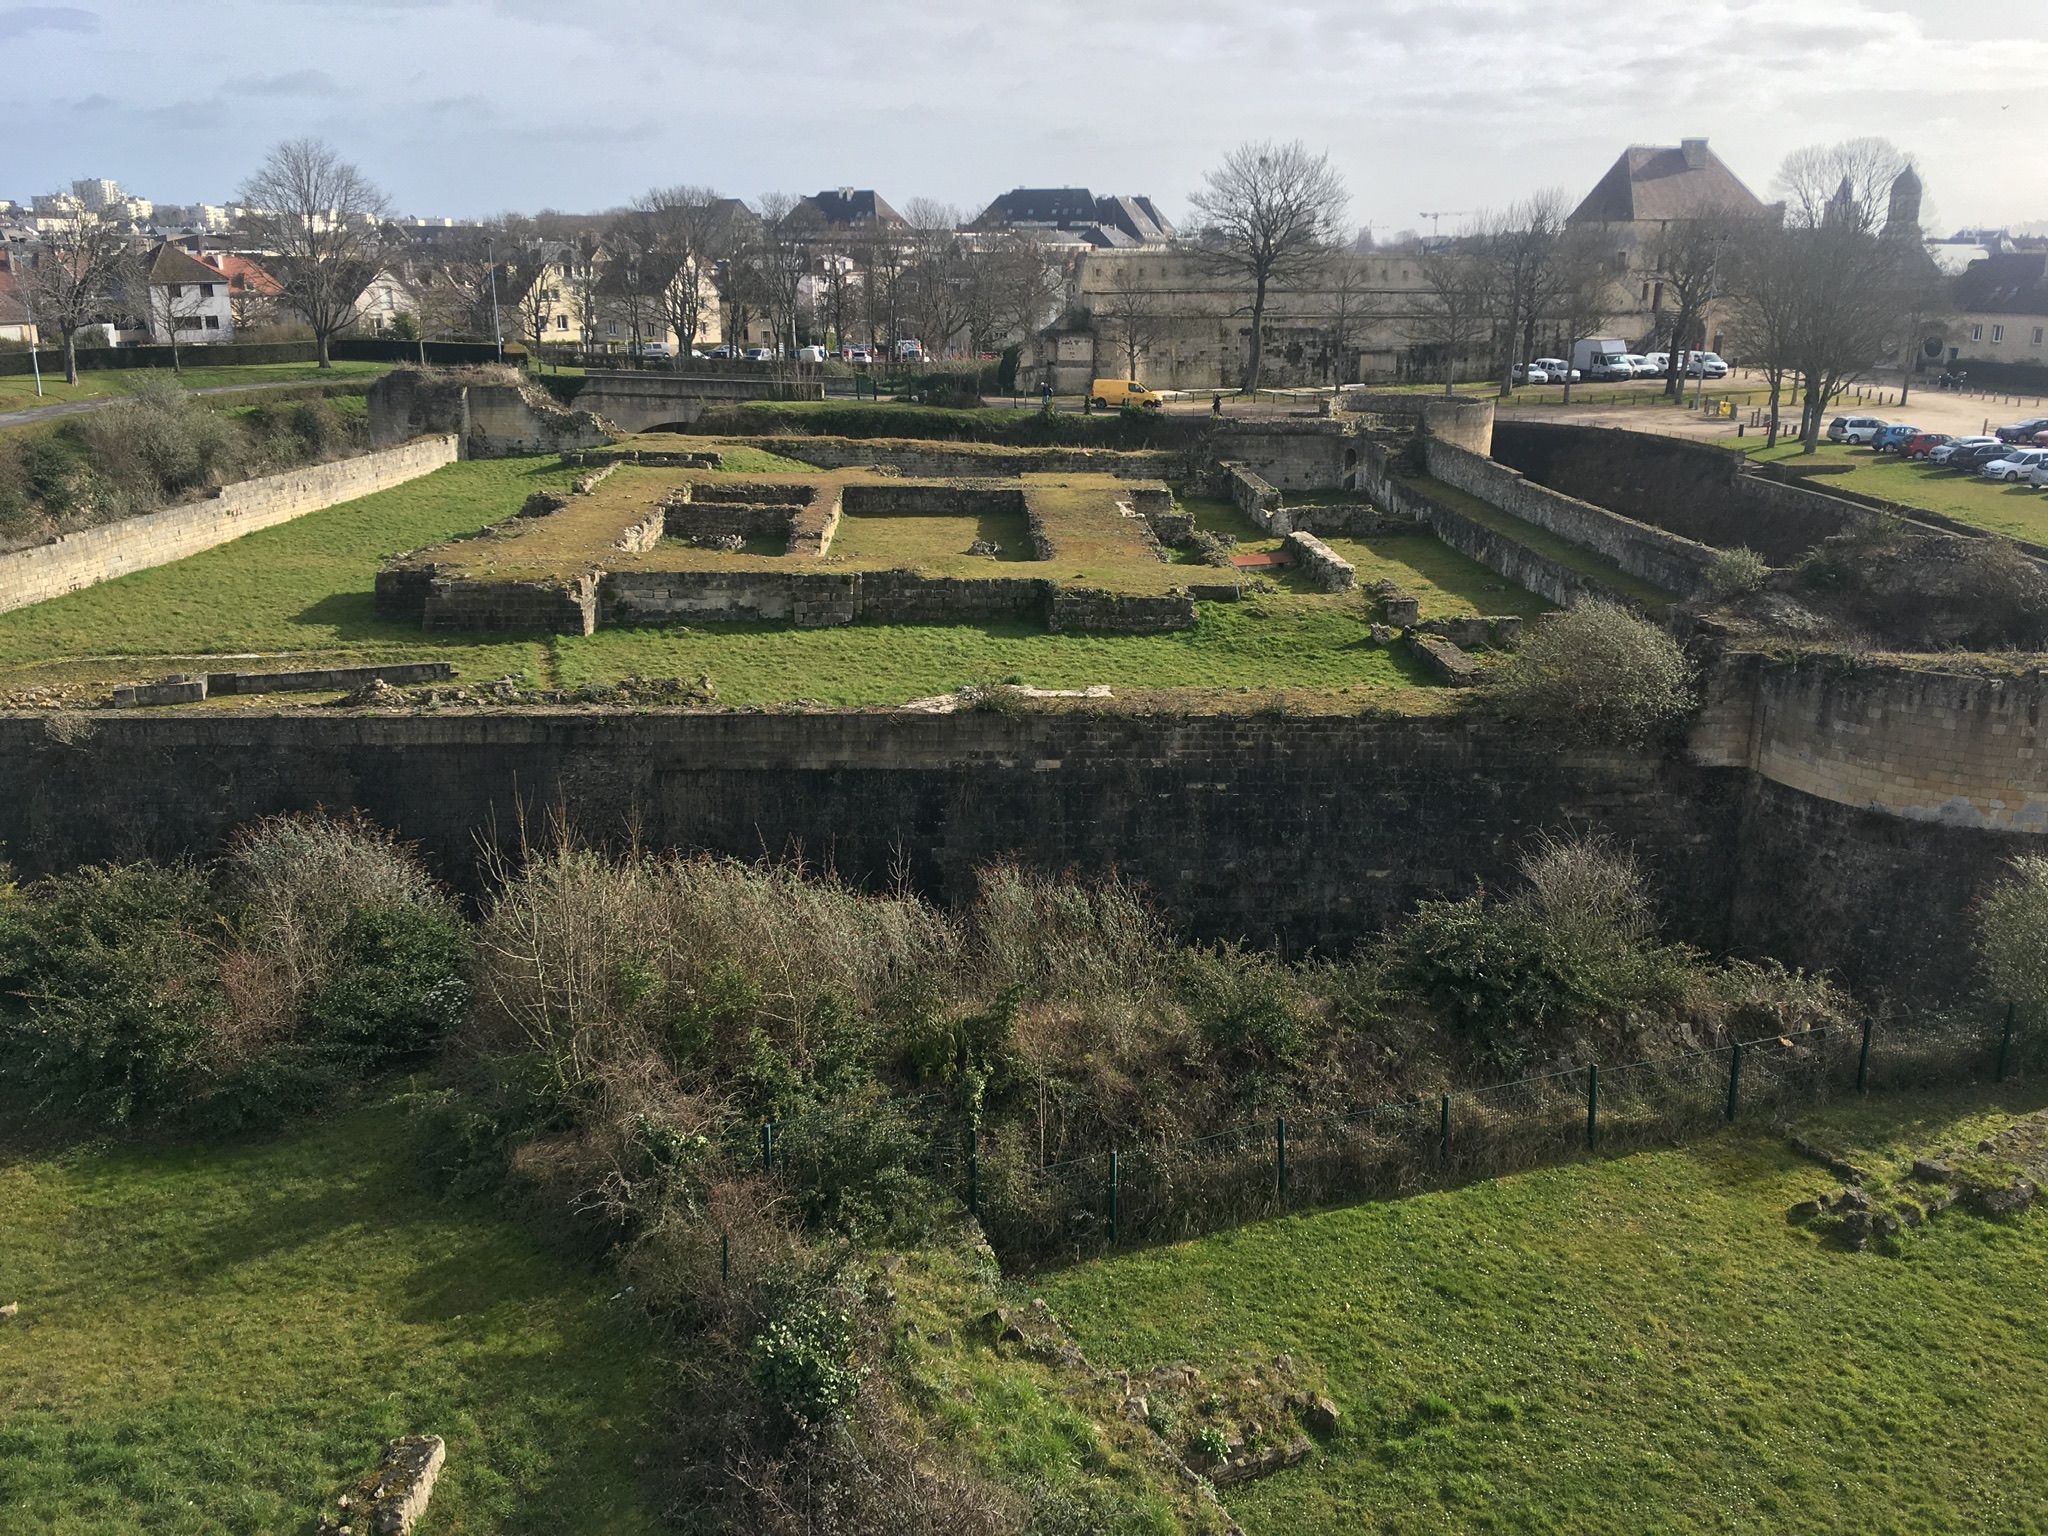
(1036, 1211)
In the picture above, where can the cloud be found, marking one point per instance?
(20, 20)
(300, 82)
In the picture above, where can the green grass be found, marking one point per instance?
(1638, 1344)
(18, 393)
(2018, 511)
(218, 1340)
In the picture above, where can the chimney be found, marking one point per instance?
(1695, 152)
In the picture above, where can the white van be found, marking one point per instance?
(1602, 357)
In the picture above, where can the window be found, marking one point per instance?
(1997, 334)
(2037, 335)
(177, 290)
(611, 327)
(561, 322)
(213, 322)
(1976, 333)
(1646, 293)
(206, 290)
(1621, 261)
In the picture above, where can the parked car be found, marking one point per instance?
(656, 349)
(1612, 367)
(2039, 478)
(810, 354)
(2022, 431)
(1923, 445)
(1977, 455)
(1946, 453)
(725, 351)
(1855, 429)
(1705, 365)
(1107, 393)
(1530, 373)
(1558, 368)
(1654, 364)
(1638, 365)
(760, 354)
(857, 354)
(1892, 439)
(910, 350)
(2014, 465)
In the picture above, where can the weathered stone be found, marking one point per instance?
(174, 690)
(1805, 1210)
(1136, 1410)
(943, 1339)
(1445, 661)
(397, 1493)
(10, 1312)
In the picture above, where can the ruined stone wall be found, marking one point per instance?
(1664, 560)
(931, 501)
(1322, 565)
(1312, 455)
(1092, 609)
(714, 519)
(950, 461)
(1458, 420)
(1695, 490)
(488, 420)
(93, 555)
(453, 605)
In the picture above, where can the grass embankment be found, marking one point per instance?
(18, 392)
(301, 594)
(1639, 1344)
(220, 1339)
(2017, 511)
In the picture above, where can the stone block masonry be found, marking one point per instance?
(93, 555)
(1321, 564)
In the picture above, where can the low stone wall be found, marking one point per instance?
(453, 605)
(904, 597)
(929, 461)
(931, 501)
(490, 420)
(1320, 563)
(1664, 560)
(1254, 497)
(1458, 420)
(814, 600)
(1088, 609)
(714, 519)
(93, 555)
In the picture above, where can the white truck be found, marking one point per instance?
(1602, 357)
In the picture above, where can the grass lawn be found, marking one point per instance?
(18, 392)
(1653, 601)
(2018, 511)
(216, 1340)
(1633, 1344)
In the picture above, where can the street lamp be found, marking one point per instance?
(35, 360)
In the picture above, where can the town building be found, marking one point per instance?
(188, 301)
(2001, 305)
(1075, 216)
(849, 209)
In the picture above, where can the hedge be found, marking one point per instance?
(235, 354)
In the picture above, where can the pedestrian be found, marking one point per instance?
(1045, 393)
(1216, 406)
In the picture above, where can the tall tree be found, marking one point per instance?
(1269, 211)
(1347, 292)
(1128, 312)
(322, 218)
(1582, 296)
(1520, 246)
(1457, 306)
(78, 269)
(1853, 179)
(1685, 257)
(1767, 282)
(935, 275)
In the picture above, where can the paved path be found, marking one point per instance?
(101, 402)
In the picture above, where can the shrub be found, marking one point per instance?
(1736, 572)
(1597, 674)
(160, 442)
(2012, 936)
(1249, 1003)
(398, 988)
(114, 995)
(803, 1362)
(1058, 938)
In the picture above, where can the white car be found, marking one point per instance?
(1558, 369)
(1705, 364)
(1639, 366)
(2039, 478)
(810, 354)
(1956, 445)
(760, 354)
(1653, 364)
(2016, 466)
(1531, 373)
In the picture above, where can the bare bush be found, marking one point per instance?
(2012, 936)
(1598, 674)
(1061, 938)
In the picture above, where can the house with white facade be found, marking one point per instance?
(186, 297)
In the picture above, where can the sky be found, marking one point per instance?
(467, 108)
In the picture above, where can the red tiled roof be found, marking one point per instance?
(243, 275)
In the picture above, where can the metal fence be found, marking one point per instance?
(1074, 1207)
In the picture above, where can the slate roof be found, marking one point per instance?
(1654, 183)
(853, 208)
(1101, 221)
(2015, 284)
(168, 264)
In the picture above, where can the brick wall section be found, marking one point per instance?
(93, 555)
(1323, 565)
(1664, 560)
(1926, 746)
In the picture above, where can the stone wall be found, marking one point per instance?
(1458, 420)
(714, 519)
(1092, 609)
(452, 605)
(93, 555)
(1529, 569)
(887, 500)
(1309, 455)
(815, 599)
(1695, 490)
(950, 461)
(1961, 750)
(490, 420)
(1664, 560)
(1257, 500)
(1330, 571)
(638, 401)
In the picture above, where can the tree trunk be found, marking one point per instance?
(1771, 441)
(320, 344)
(70, 355)
(1571, 346)
(1507, 367)
(1673, 389)
(1251, 367)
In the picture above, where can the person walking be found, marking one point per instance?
(1216, 406)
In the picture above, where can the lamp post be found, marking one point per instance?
(35, 360)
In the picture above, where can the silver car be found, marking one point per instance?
(2016, 466)
(1956, 445)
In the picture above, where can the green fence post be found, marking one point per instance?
(1280, 1146)
(973, 1174)
(2005, 1044)
(1734, 1079)
(1593, 1106)
(1113, 1178)
(1443, 1130)
(1863, 1059)
(725, 1257)
(767, 1146)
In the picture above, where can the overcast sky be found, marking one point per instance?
(470, 107)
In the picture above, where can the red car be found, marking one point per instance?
(1922, 444)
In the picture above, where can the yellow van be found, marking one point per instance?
(1115, 393)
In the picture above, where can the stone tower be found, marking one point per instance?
(1902, 218)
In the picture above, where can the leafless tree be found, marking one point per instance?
(780, 258)
(1767, 282)
(935, 275)
(1581, 289)
(1685, 255)
(1270, 211)
(1129, 315)
(77, 273)
(321, 216)
(1924, 300)
(1520, 245)
(1347, 286)
(166, 304)
(692, 230)
(1853, 178)
(1010, 288)
(1458, 303)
